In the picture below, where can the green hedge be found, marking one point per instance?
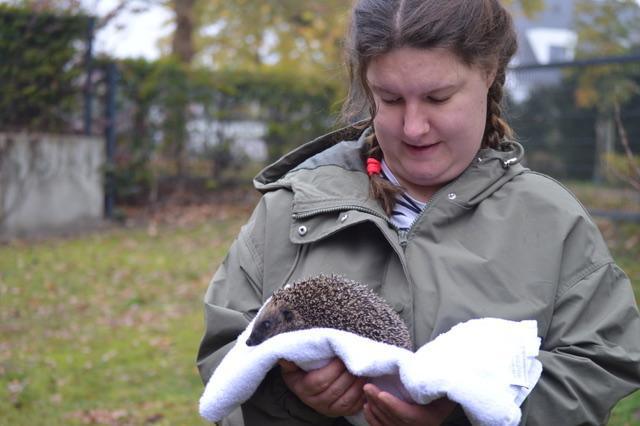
(40, 73)
(157, 100)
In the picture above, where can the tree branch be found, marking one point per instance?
(104, 21)
(634, 175)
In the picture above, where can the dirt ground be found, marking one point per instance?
(176, 210)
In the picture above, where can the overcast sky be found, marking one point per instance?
(130, 34)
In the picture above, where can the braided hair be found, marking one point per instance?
(380, 188)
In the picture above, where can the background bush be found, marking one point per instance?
(40, 69)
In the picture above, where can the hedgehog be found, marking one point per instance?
(330, 301)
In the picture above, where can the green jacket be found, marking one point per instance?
(499, 241)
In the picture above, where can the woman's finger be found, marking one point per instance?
(318, 381)
(331, 400)
(350, 399)
(287, 366)
(370, 416)
(390, 410)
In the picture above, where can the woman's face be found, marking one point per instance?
(431, 115)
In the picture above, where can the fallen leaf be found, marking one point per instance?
(154, 418)
(15, 388)
(152, 229)
(108, 356)
(632, 242)
(101, 417)
(163, 343)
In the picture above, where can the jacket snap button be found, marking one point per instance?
(452, 196)
(302, 230)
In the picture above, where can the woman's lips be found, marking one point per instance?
(423, 149)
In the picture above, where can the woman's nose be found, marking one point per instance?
(416, 123)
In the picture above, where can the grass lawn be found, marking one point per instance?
(624, 242)
(103, 329)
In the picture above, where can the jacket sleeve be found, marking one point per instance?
(232, 299)
(591, 352)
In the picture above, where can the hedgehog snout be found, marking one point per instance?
(253, 340)
(260, 332)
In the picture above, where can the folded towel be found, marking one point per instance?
(486, 365)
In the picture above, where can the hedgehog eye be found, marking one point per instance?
(265, 325)
(288, 316)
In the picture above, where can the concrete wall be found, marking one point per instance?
(49, 182)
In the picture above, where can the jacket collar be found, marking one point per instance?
(328, 174)
(274, 172)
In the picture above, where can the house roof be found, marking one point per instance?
(548, 29)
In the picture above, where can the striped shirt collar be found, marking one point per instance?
(407, 208)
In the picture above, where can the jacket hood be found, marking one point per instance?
(330, 171)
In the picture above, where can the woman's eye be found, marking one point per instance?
(391, 101)
(437, 100)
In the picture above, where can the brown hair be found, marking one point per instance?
(479, 32)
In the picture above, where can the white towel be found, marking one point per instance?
(486, 365)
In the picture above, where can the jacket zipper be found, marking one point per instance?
(402, 235)
(404, 239)
(310, 213)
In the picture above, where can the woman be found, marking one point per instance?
(426, 203)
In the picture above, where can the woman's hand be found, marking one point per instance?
(384, 409)
(330, 390)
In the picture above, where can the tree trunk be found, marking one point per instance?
(182, 45)
(183, 50)
(605, 138)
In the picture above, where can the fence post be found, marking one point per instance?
(110, 136)
(88, 84)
